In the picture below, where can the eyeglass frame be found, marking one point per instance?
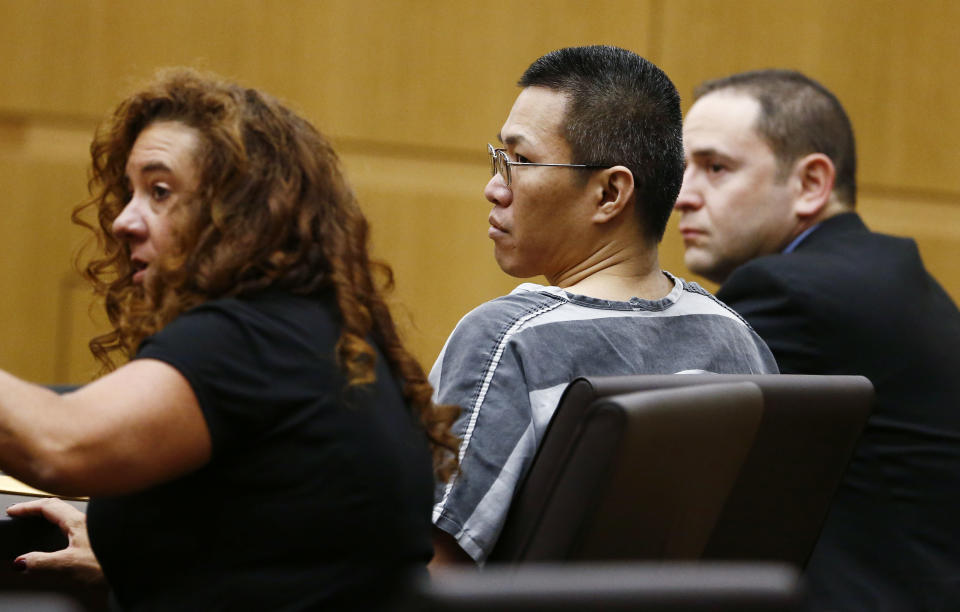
(503, 169)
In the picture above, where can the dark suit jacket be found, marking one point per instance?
(849, 301)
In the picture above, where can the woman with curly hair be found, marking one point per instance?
(263, 444)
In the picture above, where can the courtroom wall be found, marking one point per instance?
(410, 92)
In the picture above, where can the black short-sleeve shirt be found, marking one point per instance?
(317, 495)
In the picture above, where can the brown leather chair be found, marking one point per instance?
(780, 500)
(665, 587)
(633, 476)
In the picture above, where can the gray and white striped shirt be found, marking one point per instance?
(508, 361)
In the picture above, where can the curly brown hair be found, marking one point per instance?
(272, 209)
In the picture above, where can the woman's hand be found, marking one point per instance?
(76, 560)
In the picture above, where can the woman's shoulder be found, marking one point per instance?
(269, 302)
(268, 316)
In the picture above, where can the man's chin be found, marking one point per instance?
(517, 272)
(700, 265)
(515, 266)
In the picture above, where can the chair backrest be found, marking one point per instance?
(666, 587)
(806, 438)
(634, 476)
(38, 601)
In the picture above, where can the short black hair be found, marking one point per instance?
(622, 110)
(798, 116)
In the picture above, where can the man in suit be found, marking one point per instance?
(767, 210)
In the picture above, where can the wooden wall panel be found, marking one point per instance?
(890, 62)
(410, 91)
(50, 56)
(419, 72)
(39, 242)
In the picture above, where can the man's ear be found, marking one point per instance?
(615, 188)
(813, 177)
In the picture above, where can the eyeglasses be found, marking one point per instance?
(500, 164)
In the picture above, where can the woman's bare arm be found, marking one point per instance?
(133, 428)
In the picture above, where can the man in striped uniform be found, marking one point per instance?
(589, 167)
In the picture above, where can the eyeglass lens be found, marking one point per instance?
(498, 164)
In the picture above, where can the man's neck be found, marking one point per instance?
(617, 274)
(833, 208)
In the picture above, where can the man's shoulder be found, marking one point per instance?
(499, 318)
(835, 261)
(775, 267)
(790, 278)
(854, 279)
(526, 300)
(843, 241)
(699, 301)
(530, 303)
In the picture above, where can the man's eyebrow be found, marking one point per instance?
(708, 152)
